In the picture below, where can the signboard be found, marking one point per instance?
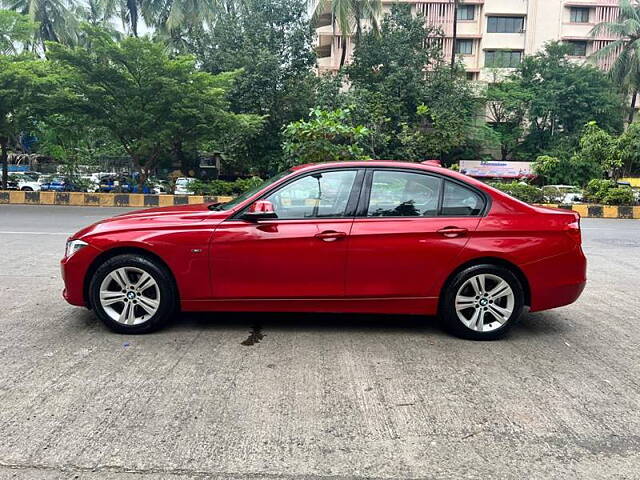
(496, 169)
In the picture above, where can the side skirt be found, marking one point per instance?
(396, 305)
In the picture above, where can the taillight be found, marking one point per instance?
(573, 228)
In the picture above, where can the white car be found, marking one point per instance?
(182, 186)
(28, 181)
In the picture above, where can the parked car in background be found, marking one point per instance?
(357, 237)
(60, 184)
(115, 184)
(564, 194)
(182, 186)
(12, 184)
(27, 181)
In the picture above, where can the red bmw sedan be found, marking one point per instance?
(359, 237)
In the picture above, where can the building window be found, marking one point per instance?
(502, 58)
(578, 48)
(472, 76)
(505, 24)
(579, 15)
(464, 47)
(466, 12)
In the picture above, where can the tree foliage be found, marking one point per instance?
(16, 30)
(411, 114)
(325, 137)
(24, 85)
(147, 100)
(625, 71)
(271, 43)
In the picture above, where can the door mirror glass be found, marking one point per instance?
(260, 210)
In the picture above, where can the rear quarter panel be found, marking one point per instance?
(536, 242)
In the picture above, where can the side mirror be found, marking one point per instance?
(260, 210)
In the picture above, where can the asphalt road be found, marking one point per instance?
(320, 396)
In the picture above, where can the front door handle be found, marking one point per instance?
(452, 232)
(330, 236)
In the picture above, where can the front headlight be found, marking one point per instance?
(73, 246)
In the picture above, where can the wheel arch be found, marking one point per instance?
(124, 250)
(492, 261)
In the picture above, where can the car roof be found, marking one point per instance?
(428, 166)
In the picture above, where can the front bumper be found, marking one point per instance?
(74, 270)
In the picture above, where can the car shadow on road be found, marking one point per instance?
(531, 325)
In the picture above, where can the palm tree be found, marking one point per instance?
(130, 14)
(166, 16)
(625, 70)
(55, 19)
(99, 12)
(349, 13)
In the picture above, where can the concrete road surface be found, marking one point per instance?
(331, 396)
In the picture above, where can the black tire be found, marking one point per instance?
(449, 315)
(159, 273)
(27, 189)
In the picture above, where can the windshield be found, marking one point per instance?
(242, 197)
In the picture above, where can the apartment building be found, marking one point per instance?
(492, 34)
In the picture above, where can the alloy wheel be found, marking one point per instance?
(129, 295)
(485, 302)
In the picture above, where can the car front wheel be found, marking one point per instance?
(132, 294)
(482, 302)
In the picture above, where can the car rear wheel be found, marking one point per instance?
(482, 302)
(27, 189)
(132, 294)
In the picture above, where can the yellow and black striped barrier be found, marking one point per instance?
(148, 201)
(600, 211)
(79, 199)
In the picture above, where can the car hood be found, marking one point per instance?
(154, 219)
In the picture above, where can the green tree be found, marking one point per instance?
(625, 71)
(563, 97)
(272, 43)
(55, 20)
(629, 150)
(507, 104)
(599, 146)
(23, 87)
(348, 16)
(15, 31)
(325, 137)
(410, 114)
(597, 153)
(146, 99)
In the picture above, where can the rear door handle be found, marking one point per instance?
(452, 232)
(330, 236)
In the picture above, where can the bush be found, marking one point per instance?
(608, 193)
(521, 191)
(597, 189)
(221, 187)
(619, 196)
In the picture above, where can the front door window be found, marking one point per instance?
(321, 195)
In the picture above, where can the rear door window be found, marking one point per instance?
(403, 194)
(461, 201)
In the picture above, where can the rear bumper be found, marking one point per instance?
(74, 271)
(556, 281)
